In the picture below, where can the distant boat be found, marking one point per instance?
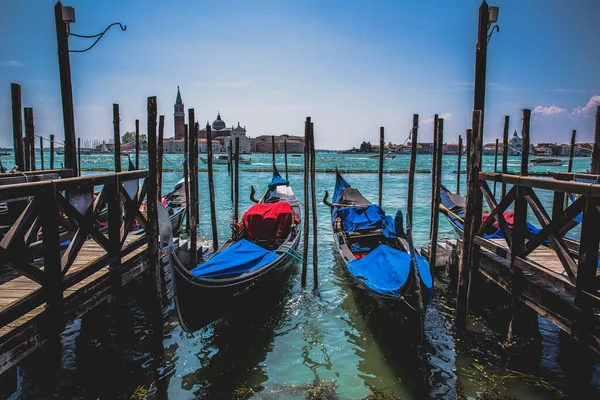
(550, 162)
(224, 160)
(296, 155)
(4, 154)
(388, 156)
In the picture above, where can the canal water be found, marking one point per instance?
(327, 344)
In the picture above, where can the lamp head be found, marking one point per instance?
(493, 15)
(68, 14)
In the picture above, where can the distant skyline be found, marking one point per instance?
(352, 66)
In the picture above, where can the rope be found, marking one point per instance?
(289, 253)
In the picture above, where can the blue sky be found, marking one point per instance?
(352, 66)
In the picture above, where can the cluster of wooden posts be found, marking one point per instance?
(547, 273)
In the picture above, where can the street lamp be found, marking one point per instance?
(487, 16)
(63, 17)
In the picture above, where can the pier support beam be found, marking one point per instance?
(17, 120)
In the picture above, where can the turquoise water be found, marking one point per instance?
(308, 343)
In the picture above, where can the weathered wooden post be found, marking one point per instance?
(380, 177)
(193, 157)
(51, 151)
(117, 137)
(411, 170)
(273, 150)
(211, 188)
(236, 197)
(17, 120)
(159, 152)
(524, 323)
(29, 139)
(435, 196)
(460, 149)
(505, 153)
(313, 191)
(306, 196)
(433, 158)
(42, 152)
(595, 162)
(229, 158)
(471, 222)
(285, 158)
(115, 222)
(231, 177)
(495, 164)
(66, 89)
(79, 155)
(186, 177)
(153, 199)
(572, 151)
(137, 144)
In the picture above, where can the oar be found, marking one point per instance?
(446, 209)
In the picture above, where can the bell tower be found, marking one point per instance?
(179, 117)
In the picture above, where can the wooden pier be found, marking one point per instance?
(72, 246)
(550, 272)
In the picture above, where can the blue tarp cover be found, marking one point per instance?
(242, 256)
(277, 181)
(369, 217)
(385, 270)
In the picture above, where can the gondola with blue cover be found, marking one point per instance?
(380, 257)
(259, 255)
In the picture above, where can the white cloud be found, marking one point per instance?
(430, 120)
(552, 110)
(11, 63)
(588, 109)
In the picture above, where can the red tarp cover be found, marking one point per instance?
(509, 216)
(268, 221)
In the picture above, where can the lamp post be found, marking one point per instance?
(64, 16)
(487, 16)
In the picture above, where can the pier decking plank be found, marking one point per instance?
(28, 332)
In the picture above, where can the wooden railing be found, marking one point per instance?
(75, 210)
(578, 259)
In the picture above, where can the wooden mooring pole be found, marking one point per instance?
(504, 154)
(231, 177)
(495, 164)
(160, 153)
(435, 196)
(236, 195)
(595, 162)
(380, 177)
(186, 178)
(313, 192)
(17, 120)
(137, 144)
(471, 223)
(411, 170)
(524, 321)
(285, 158)
(29, 139)
(42, 152)
(51, 151)
(79, 155)
(433, 158)
(117, 137)
(193, 169)
(153, 198)
(306, 200)
(570, 166)
(460, 150)
(211, 189)
(273, 150)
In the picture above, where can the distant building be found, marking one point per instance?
(264, 144)
(225, 135)
(515, 145)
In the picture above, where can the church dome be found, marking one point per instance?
(218, 123)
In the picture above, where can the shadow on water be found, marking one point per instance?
(234, 348)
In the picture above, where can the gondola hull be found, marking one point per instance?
(404, 301)
(199, 303)
(202, 298)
